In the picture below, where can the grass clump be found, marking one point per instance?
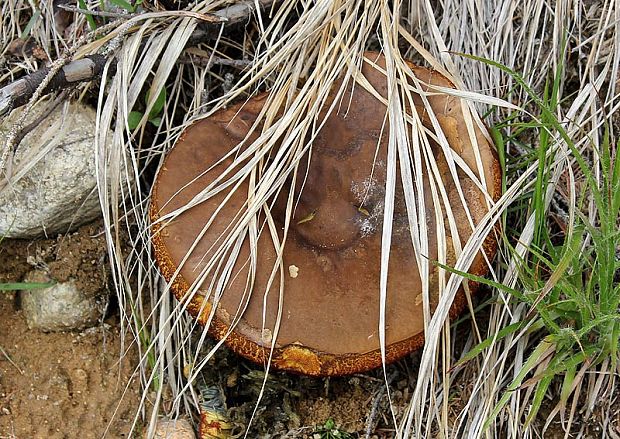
(569, 276)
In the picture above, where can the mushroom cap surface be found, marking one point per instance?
(332, 256)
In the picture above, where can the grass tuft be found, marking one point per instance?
(569, 277)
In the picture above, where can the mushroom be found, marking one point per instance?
(330, 305)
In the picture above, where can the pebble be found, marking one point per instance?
(170, 429)
(60, 307)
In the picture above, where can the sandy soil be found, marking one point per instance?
(62, 385)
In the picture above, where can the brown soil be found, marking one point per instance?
(72, 384)
(68, 384)
(294, 406)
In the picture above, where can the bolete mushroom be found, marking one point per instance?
(330, 305)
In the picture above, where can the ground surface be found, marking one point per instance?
(65, 385)
(61, 385)
(72, 385)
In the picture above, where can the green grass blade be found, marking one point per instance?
(539, 395)
(89, 18)
(33, 20)
(25, 286)
(477, 350)
(541, 351)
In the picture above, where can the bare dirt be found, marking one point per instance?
(66, 384)
(75, 384)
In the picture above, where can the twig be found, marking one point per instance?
(208, 61)
(11, 140)
(90, 67)
(96, 13)
(10, 360)
(18, 93)
(41, 117)
(239, 12)
(41, 89)
(62, 73)
(376, 402)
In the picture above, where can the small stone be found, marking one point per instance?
(170, 429)
(60, 307)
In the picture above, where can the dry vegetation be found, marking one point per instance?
(544, 77)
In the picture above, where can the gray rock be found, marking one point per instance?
(60, 307)
(59, 192)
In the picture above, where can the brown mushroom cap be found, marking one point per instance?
(330, 314)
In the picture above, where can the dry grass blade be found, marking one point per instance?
(298, 50)
(334, 47)
(522, 45)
